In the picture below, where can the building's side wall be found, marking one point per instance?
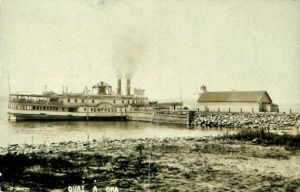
(232, 106)
(274, 108)
(271, 108)
(268, 108)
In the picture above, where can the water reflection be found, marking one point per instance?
(45, 132)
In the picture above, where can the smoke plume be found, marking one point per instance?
(101, 4)
(128, 54)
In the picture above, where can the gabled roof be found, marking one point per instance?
(233, 96)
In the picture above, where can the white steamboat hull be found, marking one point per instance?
(21, 115)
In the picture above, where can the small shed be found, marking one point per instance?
(236, 101)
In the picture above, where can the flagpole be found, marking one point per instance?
(8, 85)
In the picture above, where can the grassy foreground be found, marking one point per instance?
(247, 161)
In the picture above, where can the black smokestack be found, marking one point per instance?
(128, 86)
(119, 86)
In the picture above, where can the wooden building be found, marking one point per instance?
(236, 101)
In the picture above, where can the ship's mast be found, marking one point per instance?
(87, 104)
(8, 85)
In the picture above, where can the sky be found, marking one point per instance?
(167, 47)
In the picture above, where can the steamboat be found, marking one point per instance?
(103, 105)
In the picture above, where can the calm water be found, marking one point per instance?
(12, 132)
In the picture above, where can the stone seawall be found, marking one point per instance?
(251, 120)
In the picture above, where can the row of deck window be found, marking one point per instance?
(93, 101)
(30, 107)
(46, 108)
(55, 100)
(103, 109)
(76, 100)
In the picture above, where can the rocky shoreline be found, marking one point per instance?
(268, 121)
(151, 164)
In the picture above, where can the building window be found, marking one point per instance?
(91, 109)
(123, 101)
(114, 101)
(75, 100)
(82, 100)
(84, 109)
(128, 101)
(68, 100)
(93, 101)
